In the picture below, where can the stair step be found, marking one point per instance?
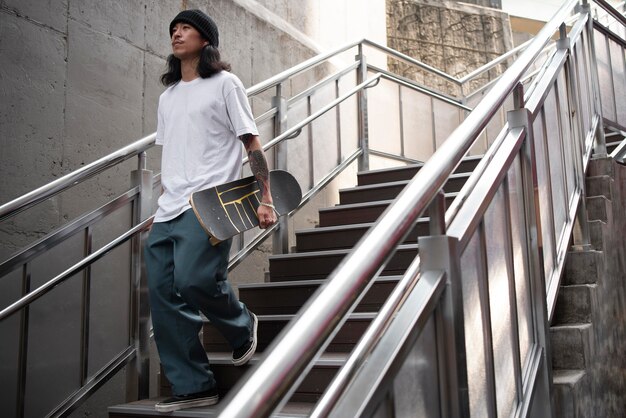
(599, 208)
(360, 212)
(574, 304)
(261, 297)
(346, 236)
(598, 186)
(145, 409)
(309, 391)
(389, 191)
(583, 267)
(319, 264)
(271, 325)
(572, 391)
(386, 175)
(572, 346)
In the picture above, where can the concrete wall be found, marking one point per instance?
(78, 80)
(453, 37)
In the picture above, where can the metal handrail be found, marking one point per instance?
(295, 349)
(611, 11)
(61, 277)
(57, 186)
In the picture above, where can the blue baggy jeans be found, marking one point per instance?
(187, 275)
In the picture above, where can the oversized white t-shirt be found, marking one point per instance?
(199, 123)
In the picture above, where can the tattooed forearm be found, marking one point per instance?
(258, 164)
(259, 168)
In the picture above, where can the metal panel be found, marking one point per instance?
(416, 393)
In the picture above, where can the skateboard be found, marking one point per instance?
(231, 208)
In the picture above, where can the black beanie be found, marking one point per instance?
(199, 20)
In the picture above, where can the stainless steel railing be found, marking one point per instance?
(295, 350)
(140, 197)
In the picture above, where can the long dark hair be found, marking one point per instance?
(209, 64)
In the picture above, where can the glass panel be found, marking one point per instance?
(544, 195)
(325, 157)
(384, 132)
(54, 333)
(416, 388)
(567, 136)
(583, 84)
(518, 236)
(604, 75)
(417, 114)
(54, 348)
(10, 291)
(556, 161)
(619, 79)
(446, 120)
(474, 346)
(110, 307)
(298, 162)
(497, 273)
(349, 116)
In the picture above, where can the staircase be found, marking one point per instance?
(294, 277)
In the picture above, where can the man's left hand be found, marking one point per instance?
(267, 216)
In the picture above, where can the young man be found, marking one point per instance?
(203, 117)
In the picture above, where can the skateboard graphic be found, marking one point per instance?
(231, 208)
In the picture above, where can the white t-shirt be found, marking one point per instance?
(199, 124)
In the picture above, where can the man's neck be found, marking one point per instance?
(189, 69)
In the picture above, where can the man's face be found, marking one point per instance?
(186, 41)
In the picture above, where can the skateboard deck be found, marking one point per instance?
(231, 208)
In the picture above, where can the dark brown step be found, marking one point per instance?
(346, 236)
(358, 213)
(610, 146)
(271, 325)
(319, 264)
(386, 175)
(309, 390)
(391, 190)
(145, 409)
(261, 297)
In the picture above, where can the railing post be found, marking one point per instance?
(364, 159)
(281, 236)
(599, 147)
(521, 117)
(140, 309)
(441, 252)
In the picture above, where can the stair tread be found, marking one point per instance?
(327, 359)
(313, 254)
(348, 206)
(583, 325)
(289, 317)
(393, 183)
(404, 167)
(300, 283)
(567, 376)
(145, 407)
(347, 227)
